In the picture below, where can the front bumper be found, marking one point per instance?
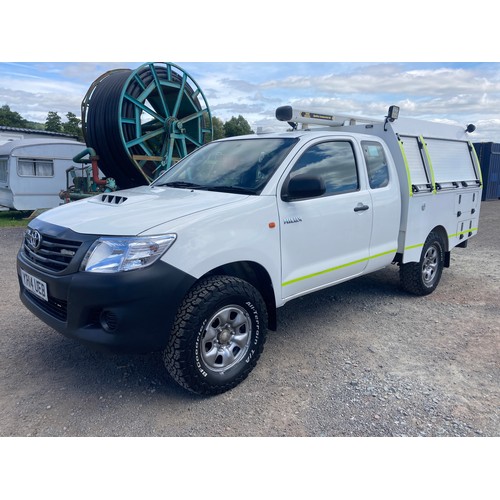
(127, 311)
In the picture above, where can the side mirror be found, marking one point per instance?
(304, 186)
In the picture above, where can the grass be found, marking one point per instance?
(14, 218)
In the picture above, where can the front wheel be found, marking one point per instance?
(422, 278)
(218, 335)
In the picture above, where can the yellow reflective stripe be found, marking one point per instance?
(411, 247)
(354, 262)
(407, 167)
(414, 246)
(463, 232)
(319, 273)
(431, 170)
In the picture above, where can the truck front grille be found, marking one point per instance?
(47, 252)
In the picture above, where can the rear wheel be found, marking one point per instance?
(422, 278)
(218, 335)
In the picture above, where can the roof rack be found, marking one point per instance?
(296, 116)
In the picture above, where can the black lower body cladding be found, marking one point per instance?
(126, 311)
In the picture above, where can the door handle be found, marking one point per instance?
(360, 207)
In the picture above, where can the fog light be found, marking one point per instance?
(109, 321)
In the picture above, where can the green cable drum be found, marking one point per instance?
(140, 122)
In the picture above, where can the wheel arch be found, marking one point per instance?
(257, 276)
(422, 277)
(413, 253)
(441, 231)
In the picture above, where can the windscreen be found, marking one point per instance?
(241, 166)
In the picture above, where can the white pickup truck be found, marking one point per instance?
(197, 263)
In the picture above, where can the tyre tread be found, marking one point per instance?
(411, 273)
(176, 357)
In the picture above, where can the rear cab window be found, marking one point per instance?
(376, 164)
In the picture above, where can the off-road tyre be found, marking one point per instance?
(218, 335)
(422, 278)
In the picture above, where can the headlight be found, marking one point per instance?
(112, 255)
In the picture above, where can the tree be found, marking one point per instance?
(10, 118)
(72, 126)
(53, 122)
(218, 127)
(237, 126)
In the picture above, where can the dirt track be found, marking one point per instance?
(359, 359)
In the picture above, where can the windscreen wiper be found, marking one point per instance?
(226, 189)
(182, 185)
(231, 189)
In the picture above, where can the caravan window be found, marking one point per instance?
(35, 168)
(3, 170)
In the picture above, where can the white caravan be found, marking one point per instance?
(33, 172)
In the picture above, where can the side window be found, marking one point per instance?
(334, 162)
(35, 168)
(376, 163)
(3, 170)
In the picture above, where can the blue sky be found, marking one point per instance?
(454, 92)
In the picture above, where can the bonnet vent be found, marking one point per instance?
(112, 199)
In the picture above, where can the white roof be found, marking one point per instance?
(8, 148)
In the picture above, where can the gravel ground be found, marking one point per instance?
(360, 359)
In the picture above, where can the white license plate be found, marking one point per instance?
(34, 285)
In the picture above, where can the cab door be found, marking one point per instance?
(325, 237)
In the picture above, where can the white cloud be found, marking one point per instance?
(461, 93)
